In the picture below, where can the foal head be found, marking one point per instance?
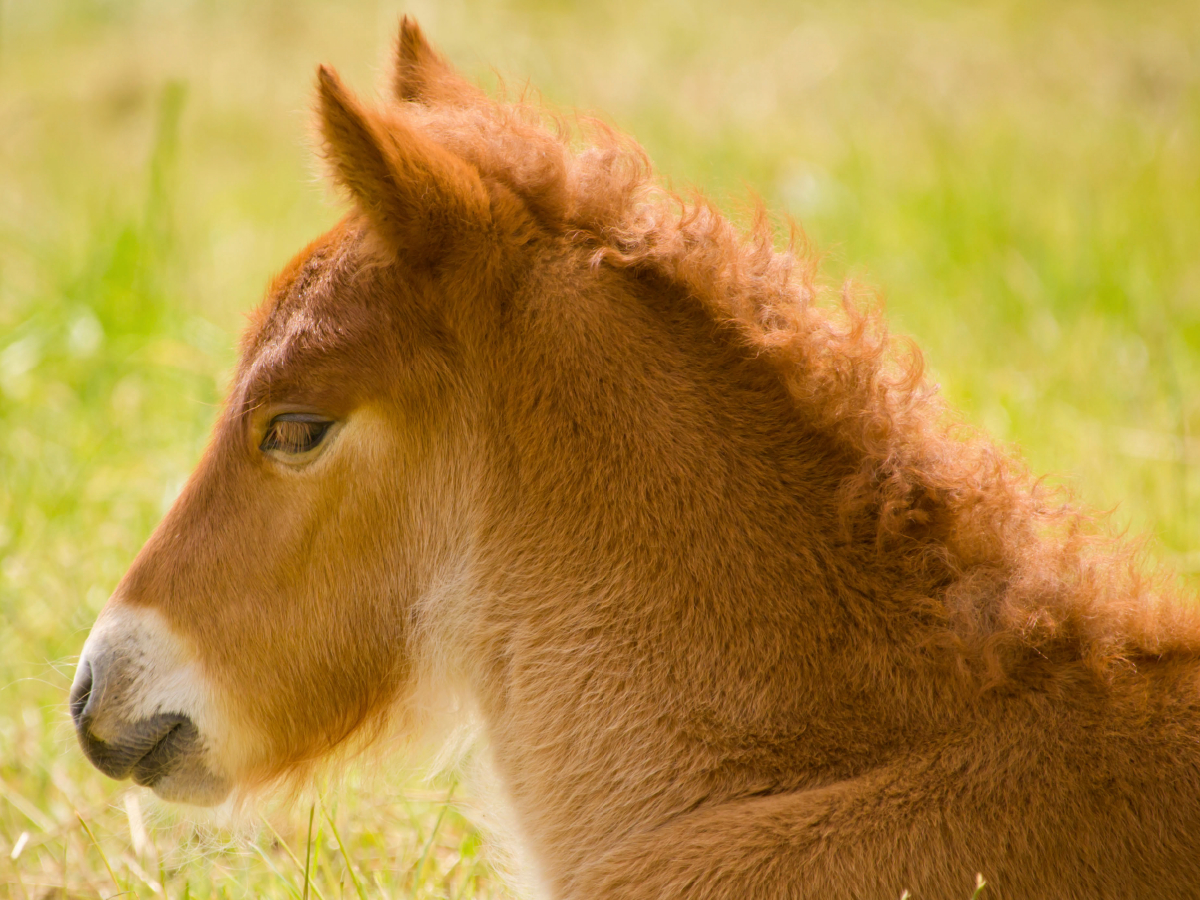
(270, 615)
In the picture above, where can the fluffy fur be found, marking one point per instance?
(742, 610)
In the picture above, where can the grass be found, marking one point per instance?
(1020, 180)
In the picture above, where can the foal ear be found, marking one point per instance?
(420, 196)
(422, 75)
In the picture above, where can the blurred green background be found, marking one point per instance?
(1020, 181)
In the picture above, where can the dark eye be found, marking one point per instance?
(295, 433)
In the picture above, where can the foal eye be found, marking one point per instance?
(295, 433)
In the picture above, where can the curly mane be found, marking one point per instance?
(1008, 566)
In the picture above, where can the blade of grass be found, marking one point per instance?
(308, 849)
(111, 873)
(137, 825)
(325, 866)
(466, 883)
(346, 856)
(141, 874)
(16, 859)
(25, 808)
(291, 888)
(413, 819)
(320, 862)
(15, 854)
(307, 852)
(420, 870)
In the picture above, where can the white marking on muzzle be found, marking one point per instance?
(140, 669)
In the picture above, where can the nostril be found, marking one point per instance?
(81, 692)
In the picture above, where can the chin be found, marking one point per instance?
(196, 788)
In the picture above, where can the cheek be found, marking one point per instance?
(314, 634)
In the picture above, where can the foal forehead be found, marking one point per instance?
(312, 311)
(306, 290)
(312, 300)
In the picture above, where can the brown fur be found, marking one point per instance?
(742, 609)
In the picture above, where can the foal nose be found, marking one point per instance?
(145, 749)
(81, 693)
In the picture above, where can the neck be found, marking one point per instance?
(666, 613)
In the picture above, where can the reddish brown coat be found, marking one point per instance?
(741, 611)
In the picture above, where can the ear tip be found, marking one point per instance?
(328, 83)
(413, 50)
(412, 39)
(414, 56)
(337, 108)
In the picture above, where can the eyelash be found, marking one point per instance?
(295, 433)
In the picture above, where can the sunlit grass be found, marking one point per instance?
(405, 844)
(1021, 181)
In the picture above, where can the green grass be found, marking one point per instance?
(1020, 180)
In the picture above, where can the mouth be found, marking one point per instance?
(144, 749)
(174, 768)
(166, 752)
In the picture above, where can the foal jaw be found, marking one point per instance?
(140, 711)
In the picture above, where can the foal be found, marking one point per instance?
(738, 613)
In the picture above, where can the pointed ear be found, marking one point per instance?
(422, 75)
(420, 197)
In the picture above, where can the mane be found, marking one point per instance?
(1004, 564)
